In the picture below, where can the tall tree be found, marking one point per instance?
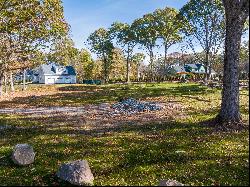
(100, 43)
(125, 37)
(118, 68)
(207, 21)
(169, 26)
(64, 52)
(97, 70)
(146, 34)
(236, 14)
(85, 66)
(137, 60)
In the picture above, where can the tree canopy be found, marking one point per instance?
(27, 26)
(101, 44)
(207, 22)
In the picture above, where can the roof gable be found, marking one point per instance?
(55, 69)
(71, 70)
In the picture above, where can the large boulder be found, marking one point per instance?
(76, 172)
(23, 154)
(170, 183)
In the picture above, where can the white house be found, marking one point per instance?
(52, 73)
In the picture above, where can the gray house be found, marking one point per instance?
(190, 68)
(53, 73)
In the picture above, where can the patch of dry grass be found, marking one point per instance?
(127, 150)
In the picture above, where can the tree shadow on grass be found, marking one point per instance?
(138, 153)
(80, 95)
(127, 148)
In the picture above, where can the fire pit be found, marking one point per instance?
(132, 106)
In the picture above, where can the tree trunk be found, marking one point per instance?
(105, 65)
(24, 79)
(5, 83)
(165, 56)
(210, 72)
(165, 61)
(207, 66)
(1, 84)
(206, 50)
(12, 88)
(235, 19)
(138, 72)
(151, 56)
(128, 68)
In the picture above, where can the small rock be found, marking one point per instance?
(170, 183)
(76, 172)
(23, 154)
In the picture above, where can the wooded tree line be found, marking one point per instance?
(33, 32)
(64, 52)
(162, 24)
(27, 28)
(198, 24)
(31, 28)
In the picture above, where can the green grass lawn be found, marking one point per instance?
(133, 154)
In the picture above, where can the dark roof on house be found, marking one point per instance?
(193, 66)
(199, 65)
(71, 70)
(50, 69)
(177, 69)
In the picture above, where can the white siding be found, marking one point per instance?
(59, 79)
